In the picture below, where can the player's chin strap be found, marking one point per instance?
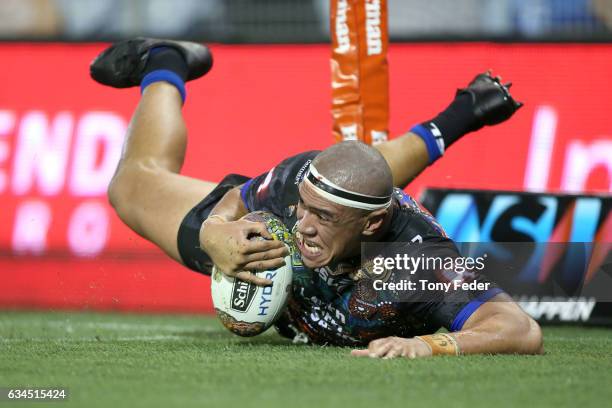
(339, 195)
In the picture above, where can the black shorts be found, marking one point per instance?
(188, 239)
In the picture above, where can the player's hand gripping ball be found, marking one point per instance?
(244, 308)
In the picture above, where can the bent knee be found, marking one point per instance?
(530, 333)
(130, 189)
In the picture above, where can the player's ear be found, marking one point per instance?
(374, 221)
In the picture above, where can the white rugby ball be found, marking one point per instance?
(244, 308)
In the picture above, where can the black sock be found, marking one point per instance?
(166, 58)
(456, 120)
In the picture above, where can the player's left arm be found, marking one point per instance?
(486, 101)
(498, 326)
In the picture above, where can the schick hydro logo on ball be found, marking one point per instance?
(245, 308)
(242, 295)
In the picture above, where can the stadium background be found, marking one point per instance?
(65, 256)
(268, 96)
(61, 135)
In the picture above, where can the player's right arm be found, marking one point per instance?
(224, 236)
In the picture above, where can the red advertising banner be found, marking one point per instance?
(61, 245)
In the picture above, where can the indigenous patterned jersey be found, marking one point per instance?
(335, 305)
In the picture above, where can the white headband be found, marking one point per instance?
(336, 194)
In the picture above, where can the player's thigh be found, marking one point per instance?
(177, 196)
(157, 202)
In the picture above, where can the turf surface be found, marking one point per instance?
(112, 360)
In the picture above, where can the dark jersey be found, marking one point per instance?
(332, 305)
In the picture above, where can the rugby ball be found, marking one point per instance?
(244, 308)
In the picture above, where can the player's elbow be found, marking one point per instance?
(526, 333)
(534, 338)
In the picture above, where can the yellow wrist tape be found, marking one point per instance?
(441, 344)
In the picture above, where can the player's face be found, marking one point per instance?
(326, 231)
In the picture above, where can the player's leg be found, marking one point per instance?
(485, 101)
(147, 191)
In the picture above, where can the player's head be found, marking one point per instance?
(344, 200)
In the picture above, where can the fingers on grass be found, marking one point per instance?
(360, 352)
(379, 348)
(395, 351)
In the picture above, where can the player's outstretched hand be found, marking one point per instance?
(233, 250)
(391, 347)
(492, 102)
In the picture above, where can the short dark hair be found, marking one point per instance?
(357, 167)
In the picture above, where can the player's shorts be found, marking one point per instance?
(188, 239)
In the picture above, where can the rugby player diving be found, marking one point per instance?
(332, 200)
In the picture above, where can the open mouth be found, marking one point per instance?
(307, 248)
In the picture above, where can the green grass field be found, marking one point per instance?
(113, 360)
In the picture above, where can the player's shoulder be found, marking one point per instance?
(413, 222)
(296, 166)
(277, 189)
(289, 173)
